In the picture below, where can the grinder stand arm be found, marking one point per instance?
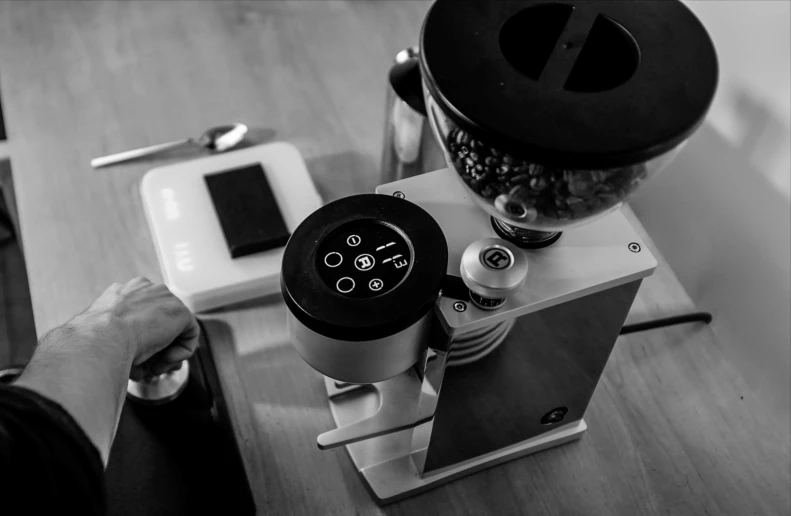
(406, 401)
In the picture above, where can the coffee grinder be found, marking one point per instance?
(463, 318)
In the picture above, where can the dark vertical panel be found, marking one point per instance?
(552, 358)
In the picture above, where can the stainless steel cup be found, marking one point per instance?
(409, 146)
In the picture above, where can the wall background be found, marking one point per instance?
(721, 212)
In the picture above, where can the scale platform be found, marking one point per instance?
(193, 254)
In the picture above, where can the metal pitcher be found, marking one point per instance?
(409, 146)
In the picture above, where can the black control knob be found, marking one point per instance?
(360, 277)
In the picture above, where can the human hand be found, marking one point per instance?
(153, 325)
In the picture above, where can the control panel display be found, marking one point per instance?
(364, 258)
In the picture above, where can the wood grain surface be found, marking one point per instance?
(672, 428)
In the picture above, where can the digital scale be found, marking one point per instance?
(196, 262)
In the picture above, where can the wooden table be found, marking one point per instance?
(672, 428)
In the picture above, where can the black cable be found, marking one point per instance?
(667, 321)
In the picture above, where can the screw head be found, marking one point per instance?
(460, 306)
(635, 247)
(399, 194)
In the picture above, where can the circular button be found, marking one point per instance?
(496, 257)
(364, 262)
(376, 284)
(493, 268)
(382, 252)
(345, 285)
(333, 259)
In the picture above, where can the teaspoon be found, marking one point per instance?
(218, 139)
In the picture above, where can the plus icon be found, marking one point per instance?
(375, 284)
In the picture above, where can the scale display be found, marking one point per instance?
(364, 258)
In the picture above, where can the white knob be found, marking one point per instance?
(493, 269)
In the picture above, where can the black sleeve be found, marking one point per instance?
(47, 463)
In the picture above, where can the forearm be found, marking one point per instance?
(85, 364)
(85, 371)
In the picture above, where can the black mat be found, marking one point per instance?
(179, 458)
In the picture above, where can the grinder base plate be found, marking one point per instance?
(386, 463)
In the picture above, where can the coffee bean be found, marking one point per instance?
(580, 187)
(605, 188)
(519, 193)
(535, 191)
(561, 189)
(608, 199)
(489, 192)
(577, 205)
(632, 186)
(538, 183)
(593, 202)
(535, 170)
